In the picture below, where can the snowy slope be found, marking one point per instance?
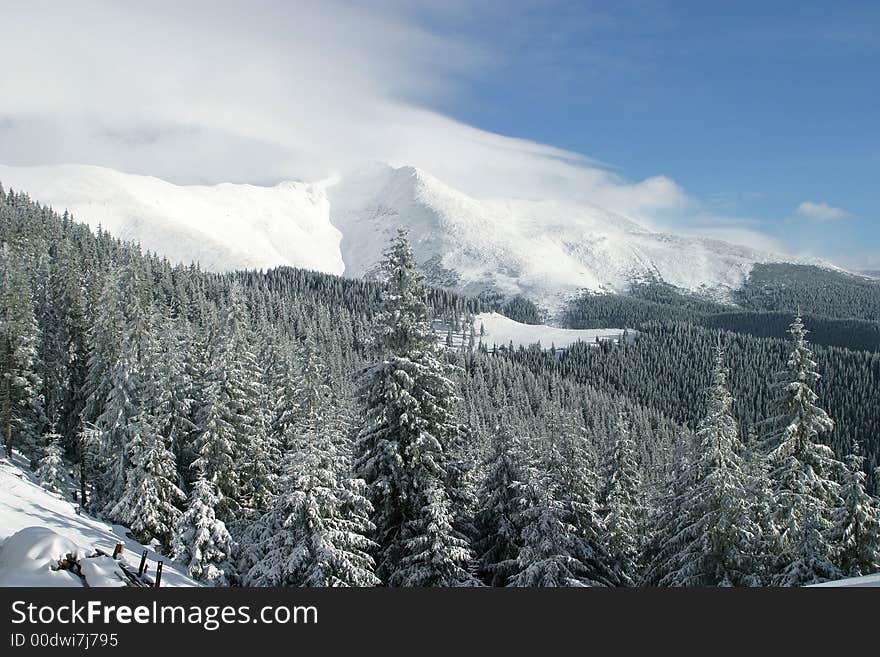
(222, 227)
(500, 331)
(24, 556)
(545, 250)
(868, 581)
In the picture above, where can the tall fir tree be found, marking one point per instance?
(20, 406)
(124, 402)
(148, 504)
(202, 544)
(803, 470)
(402, 449)
(623, 505)
(228, 415)
(317, 532)
(712, 538)
(551, 551)
(502, 498)
(856, 522)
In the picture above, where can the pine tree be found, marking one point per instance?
(802, 470)
(551, 552)
(502, 499)
(856, 522)
(316, 532)
(20, 407)
(228, 417)
(201, 542)
(763, 506)
(623, 505)
(173, 395)
(403, 445)
(572, 462)
(120, 349)
(149, 500)
(713, 535)
(51, 472)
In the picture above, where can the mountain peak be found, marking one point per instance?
(545, 250)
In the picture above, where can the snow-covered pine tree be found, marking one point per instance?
(551, 550)
(149, 500)
(572, 461)
(51, 472)
(802, 470)
(856, 522)
(117, 353)
(174, 396)
(316, 533)
(713, 535)
(402, 448)
(286, 385)
(53, 347)
(501, 502)
(623, 506)
(20, 407)
(201, 542)
(228, 413)
(763, 505)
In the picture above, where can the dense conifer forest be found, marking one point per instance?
(289, 428)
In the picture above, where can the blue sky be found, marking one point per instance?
(755, 122)
(754, 107)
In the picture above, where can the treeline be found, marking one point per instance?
(843, 325)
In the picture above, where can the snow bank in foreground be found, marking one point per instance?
(25, 556)
(500, 331)
(866, 581)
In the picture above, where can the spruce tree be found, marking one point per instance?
(403, 444)
(201, 542)
(51, 472)
(551, 551)
(20, 407)
(856, 522)
(623, 505)
(316, 534)
(803, 470)
(712, 538)
(148, 505)
(228, 415)
(501, 502)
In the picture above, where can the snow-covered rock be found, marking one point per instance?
(546, 250)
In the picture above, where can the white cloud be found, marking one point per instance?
(820, 211)
(258, 92)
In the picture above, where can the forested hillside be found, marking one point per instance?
(298, 429)
(841, 309)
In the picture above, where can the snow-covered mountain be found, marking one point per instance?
(222, 227)
(545, 250)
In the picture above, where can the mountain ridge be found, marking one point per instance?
(547, 251)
